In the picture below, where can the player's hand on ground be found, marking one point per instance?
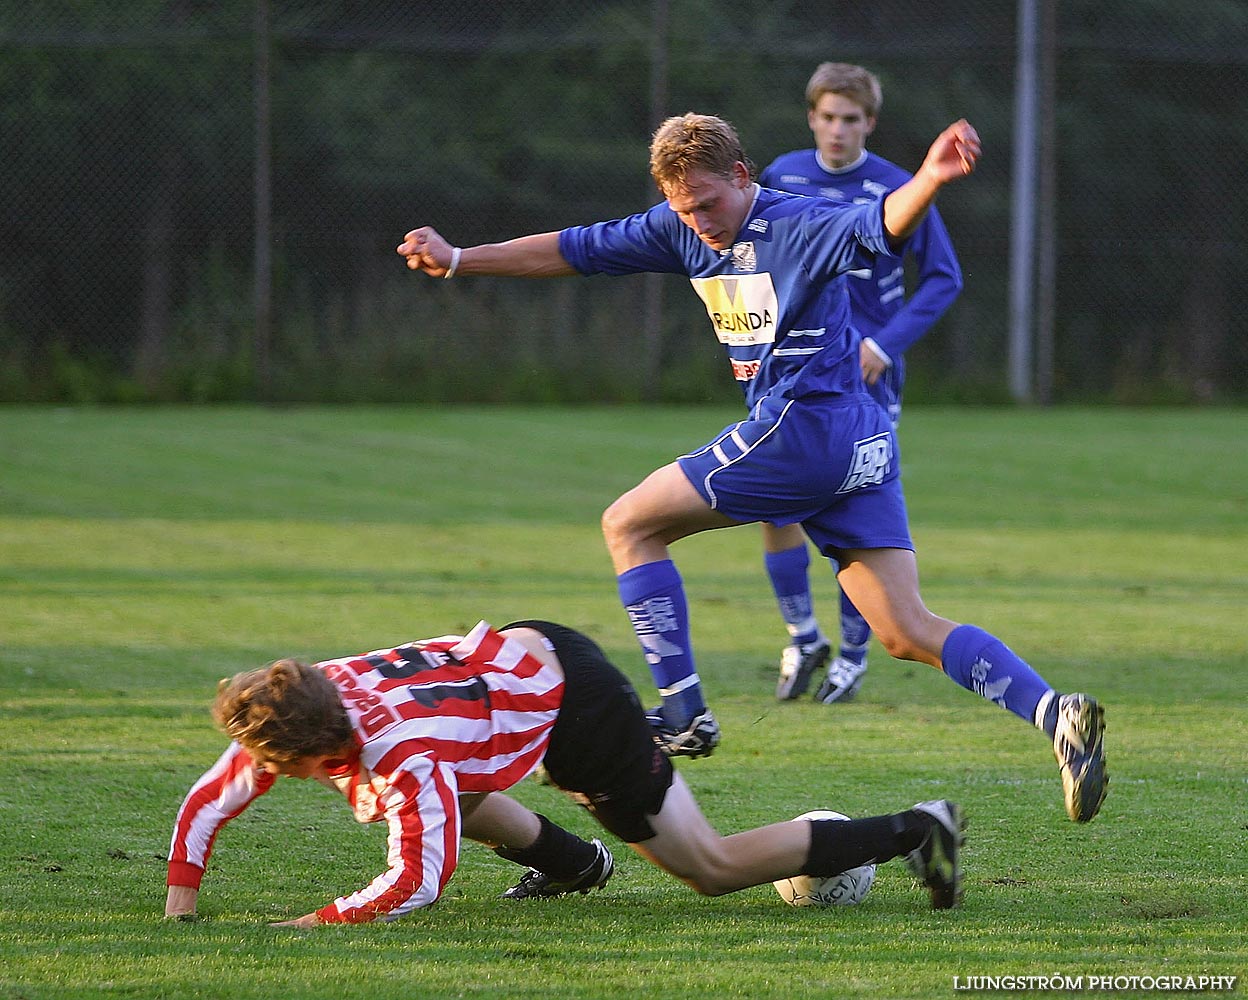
(307, 920)
(180, 902)
(427, 251)
(954, 153)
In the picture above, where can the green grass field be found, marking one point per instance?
(146, 553)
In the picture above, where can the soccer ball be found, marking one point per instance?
(834, 890)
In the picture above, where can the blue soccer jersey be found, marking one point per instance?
(776, 298)
(877, 290)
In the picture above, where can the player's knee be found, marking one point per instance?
(707, 884)
(708, 888)
(711, 874)
(617, 525)
(898, 645)
(910, 641)
(610, 525)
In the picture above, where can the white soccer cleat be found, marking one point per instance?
(843, 681)
(797, 665)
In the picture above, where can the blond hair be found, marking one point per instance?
(858, 84)
(283, 712)
(694, 142)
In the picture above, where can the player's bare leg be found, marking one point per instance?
(493, 819)
(778, 537)
(687, 846)
(638, 528)
(559, 862)
(884, 584)
(663, 508)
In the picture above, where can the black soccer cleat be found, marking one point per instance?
(936, 861)
(538, 885)
(698, 739)
(1079, 746)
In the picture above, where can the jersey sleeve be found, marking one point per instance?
(837, 234)
(645, 242)
(224, 791)
(422, 816)
(939, 282)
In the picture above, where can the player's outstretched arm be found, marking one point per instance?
(534, 256)
(954, 154)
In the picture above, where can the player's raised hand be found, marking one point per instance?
(426, 251)
(954, 153)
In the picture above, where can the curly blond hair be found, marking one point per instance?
(283, 712)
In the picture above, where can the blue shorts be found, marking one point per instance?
(832, 465)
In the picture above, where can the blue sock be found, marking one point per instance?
(982, 663)
(791, 582)
(855, 632)
(654, 597)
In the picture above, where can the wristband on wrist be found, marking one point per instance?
(450, 271)
(878, 351)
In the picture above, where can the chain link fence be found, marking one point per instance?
(200, 201)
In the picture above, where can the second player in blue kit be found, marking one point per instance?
(842, 108)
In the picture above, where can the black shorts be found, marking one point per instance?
(602, 749)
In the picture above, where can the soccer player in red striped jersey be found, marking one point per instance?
(355, 709)
(425, 735)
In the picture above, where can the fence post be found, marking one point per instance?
(653, 321)
(1023, 206)
(1046, 192)
(263, 224)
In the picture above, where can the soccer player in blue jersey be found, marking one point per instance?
(814, 450)
(843, 105)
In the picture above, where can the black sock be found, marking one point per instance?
(556, 852)
(837, 845)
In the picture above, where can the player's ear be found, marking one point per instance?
(871, 120)
(740, 175)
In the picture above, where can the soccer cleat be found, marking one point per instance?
(1079, 746)
(935, 862)
(538, 885)
(843, 681)
(797, 664)
(698, 739)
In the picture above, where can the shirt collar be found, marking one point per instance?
(862, 158)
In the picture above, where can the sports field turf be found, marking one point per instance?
(144, 553)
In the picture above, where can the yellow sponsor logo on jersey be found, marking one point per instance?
(742, 309)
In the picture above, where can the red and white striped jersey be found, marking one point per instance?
(433, 718)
